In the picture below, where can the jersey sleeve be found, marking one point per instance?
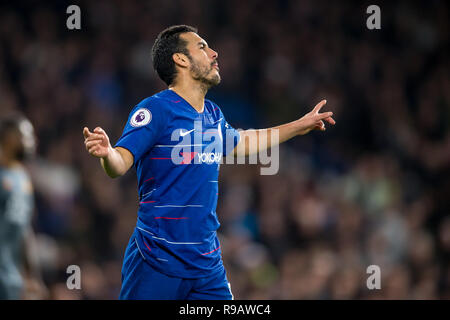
(230, 136)
(144, 127)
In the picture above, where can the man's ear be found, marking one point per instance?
(180, 59)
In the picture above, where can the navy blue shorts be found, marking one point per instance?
(142, 282)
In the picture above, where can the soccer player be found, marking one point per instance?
(19, 271)
(175, 139)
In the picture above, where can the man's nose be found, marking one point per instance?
(214, 54)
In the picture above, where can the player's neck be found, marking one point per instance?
(194, 94)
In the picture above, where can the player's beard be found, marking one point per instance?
(203, 74)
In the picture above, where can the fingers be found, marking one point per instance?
(316, 120)
(94, 136)
(86, 132)
(330, 120)
(98, 133)
(99, 130)
(320, 126)
(322, 116)
(326, 115)
(96, 142)
(94, 150)
(319, 106)
(92, 143)
(93, 146)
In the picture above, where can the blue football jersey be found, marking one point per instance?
(177, 154)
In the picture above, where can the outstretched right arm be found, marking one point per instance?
(115, 161)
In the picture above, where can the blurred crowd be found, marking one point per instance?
(372, 190)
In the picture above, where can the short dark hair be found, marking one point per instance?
(12, 123)
(166, 44)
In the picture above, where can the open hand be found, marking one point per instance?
(315, 120)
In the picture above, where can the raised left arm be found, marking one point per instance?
(254, 141)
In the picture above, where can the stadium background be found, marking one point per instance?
(374, 189)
